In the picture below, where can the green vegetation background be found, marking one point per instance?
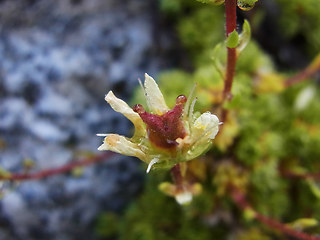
(270, 128)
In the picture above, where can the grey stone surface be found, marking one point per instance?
(58, 60)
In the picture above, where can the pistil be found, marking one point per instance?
(163, 130)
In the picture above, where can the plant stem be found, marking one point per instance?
(308, 72)
(58, 170)
(231, 25)
(176, 175)
(284, 228)
(289, 174)
(241, 201)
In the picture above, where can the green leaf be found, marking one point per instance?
(303, 223)
(219, 58)
(249, 214)
(315, 189)
(244, 37)
(233, 39)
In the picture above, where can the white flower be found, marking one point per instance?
(184, 198)
(183, 192)
(163, 137)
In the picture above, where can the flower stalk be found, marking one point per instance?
(231, 25)
(306, 73)
(240, 200)
(59, 170)
(181, 188)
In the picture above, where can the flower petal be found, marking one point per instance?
(203, 130)
(120, 144)
(154, 97)
(122, 107)
(184, 198)
(207, 125)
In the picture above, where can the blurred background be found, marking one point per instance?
(58, 60)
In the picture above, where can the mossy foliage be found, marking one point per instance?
(270, 128)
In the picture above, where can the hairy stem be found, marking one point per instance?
(58, 170)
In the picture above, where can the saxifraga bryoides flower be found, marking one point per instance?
(162, 137)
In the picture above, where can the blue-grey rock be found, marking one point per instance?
(13, 112)
(58, 60)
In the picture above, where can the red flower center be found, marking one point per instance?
(163, 130)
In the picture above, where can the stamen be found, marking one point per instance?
(186, 107)
(190, 117)
(102, 134)
(141, 85)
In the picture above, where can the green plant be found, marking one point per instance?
(263, 163)
(269, 136)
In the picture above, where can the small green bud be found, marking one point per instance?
(233, 39)
(77, 172)
(314, 187)
(28, 163)
(249, 214)
(303, 223)
(4, 173)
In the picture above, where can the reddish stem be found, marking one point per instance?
(231, 25)
(289, 174)
(308, 72)
(176, 175)
(58, 170)
(240, 199)
(231, 17)
(284, 228)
